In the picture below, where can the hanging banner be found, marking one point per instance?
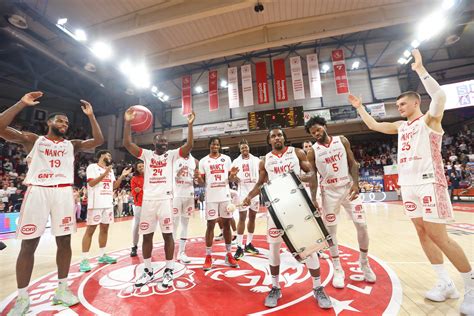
(376, 109)
(213, 92)
(262, 84)
(340, 73)
(280, 80)
(233, 87)
(297, 77)
(186, 99)
(313, 76)
(247, 88)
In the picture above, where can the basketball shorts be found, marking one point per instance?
(183, 206)
(96, 216)
(430, 201)
(333, 198)
(254, 205)
(154, 212)
(39, 204)
(217, 209)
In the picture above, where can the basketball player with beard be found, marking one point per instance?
(49, 178)
(286, 158)
(332, 158)
(423, 183)
(101, 184)
(157, 204)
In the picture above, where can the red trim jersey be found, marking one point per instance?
(102, 194)
(216, 172)
(278, 164)
(331, 161)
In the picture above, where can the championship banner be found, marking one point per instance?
(297, 78)
(262, 84)
(213, 91)
(280, 80)
(247, 87)
(340, 74)
(376, 109)
(186, 99)
(314, 77)
(233, 87)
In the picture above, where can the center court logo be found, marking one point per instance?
(109, 289)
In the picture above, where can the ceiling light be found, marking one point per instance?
(402, 61)
(355, 64)
(415, 43)
(154, 89)
(166, 98)
(223, 84)
(448, 4)
(102, 50)
(61, 21)
(139, 76)
(325, 68)
(80, 35)
(406, 53)
(198, 89)
(125, 66)
(160, 94)
(431, 26)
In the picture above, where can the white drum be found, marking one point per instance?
(295, 215)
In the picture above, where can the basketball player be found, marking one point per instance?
(423, 184)
(136, 187)
(49, 178)
(215, 171)
(246, 179)
(332, 158)
(157, 195)
(101, 184)
(283, 159)
(183, 201)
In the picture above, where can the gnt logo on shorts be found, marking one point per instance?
(410, 206)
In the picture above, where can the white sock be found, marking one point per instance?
(102, 252)
(276, 281)
(85, 255)
(316, 282)
(182, 245)
(468, 278)
(23, 292)
(208, 251)
(62, 284)
(363, 256)
(170, 264)
(240, 241)
(441, 272)
(249, 238)
(336, 262)
(228, 247)
(147, 263)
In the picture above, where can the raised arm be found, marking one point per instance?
(97, 137)
(353, 169)
(262, 177)
(125, 173)
(127, 133)
(382, 127)
(186, 148)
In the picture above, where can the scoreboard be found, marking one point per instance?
(288, 117)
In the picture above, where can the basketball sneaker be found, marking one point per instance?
(167, 278)
(133, 253)
(272, 298)
(64, 298)
(207, 263)
(251, 249)
(323, 299)
(146, 277)
(234, 241)
(338, 278)
(219, 237)
(467, 305)
(239, 253)
(22, 305)
(183, 258)
(230, 261)
(85, 266)
(107, 260)
(369, 275)
(442, 291)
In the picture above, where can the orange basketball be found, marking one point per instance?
(143, 119)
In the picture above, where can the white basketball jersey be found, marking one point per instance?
(419, 154)
(184, 177)
(50, 162)
(102, 194)
(158, 175)
(278, 164)
(248, 173)
(331, 161)
(216, 171)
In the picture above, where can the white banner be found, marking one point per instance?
(203, 131)
(233, 87)
(297, 78)
(376, 109)
(326, 114)
(313, 76)
(458, 95)
(247, 87)
(391, 169)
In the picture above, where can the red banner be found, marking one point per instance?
(213, 92)
(280, 80)
(186, 98)
(262, 84)
(340, 74)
